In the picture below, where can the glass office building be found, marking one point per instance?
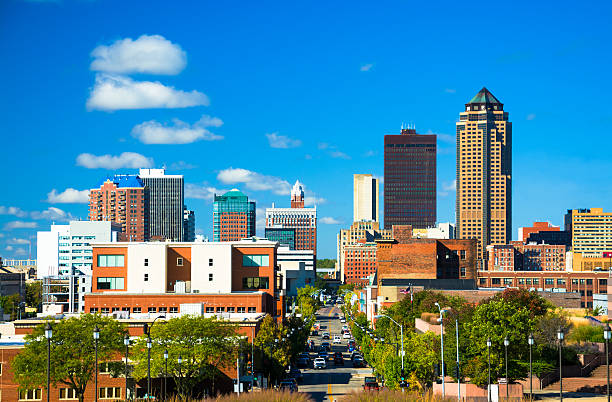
(233, 216)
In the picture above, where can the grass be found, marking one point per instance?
(386, 395)
(264, 396)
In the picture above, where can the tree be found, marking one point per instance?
(326, 263)
(204, 345)
(308, 301)
(33, 296)
(72, 352)
(271, 340)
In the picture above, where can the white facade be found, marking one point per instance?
(297, 268)
(444, 230)
(211, 259)
(146, 264)
(365, 198)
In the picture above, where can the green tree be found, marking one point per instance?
(308, 301)
(271, 341)
(10, 304)
(72, 352)
(326, 263)
(204, 344)
(33, 296)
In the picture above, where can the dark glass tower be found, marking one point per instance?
(410, 179)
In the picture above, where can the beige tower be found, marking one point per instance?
(365, 198)
(484, 172)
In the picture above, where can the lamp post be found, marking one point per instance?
(458, 372)
(401, 335)
(126, 342)
(441, 347)
(607, 336)
(489, 364)
(506, 343)
(48, 335)
(147, 331)
(165, 374)
(96, 336)
(180, 360)
(560, 336)
(530, 340)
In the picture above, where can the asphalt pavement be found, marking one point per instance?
(331, 383)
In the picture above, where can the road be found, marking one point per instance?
(331, 383)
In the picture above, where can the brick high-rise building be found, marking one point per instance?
(122, 199)
(303, 220)
(525, 231)
(233, 216)
(410, 179)
(484, 172)
(166, 196)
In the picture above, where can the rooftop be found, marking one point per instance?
(123, 181)
(485, 96)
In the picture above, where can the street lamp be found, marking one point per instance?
(560, 336)
(165, 374)
(607, 336)
(96, 336)
(126, 342)
(180, 360)
(489, 363)
(506, 343)
(441, 346)
(401, 335)
(147, 331)
(48, 335)
(530, 340)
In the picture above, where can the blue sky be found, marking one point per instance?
(263, 93)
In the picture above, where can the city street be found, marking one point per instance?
(331, 383)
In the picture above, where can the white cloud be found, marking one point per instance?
(9, 248)
(113, 92)
(450, 90)
(446, 187)
(339, 155)
(322, 145)
(451, 139)
(282, 141)
(313, 200)
(130, 160)
(181, 165)
(369, 153)
(308, 157)
(153, 132)
(531, 116)
(20, 251)
(328, 220)
(19, 225)
(332, 150)
(366, 67)
(17, 241)
(148, 54)
(13, 211)
(254, 181)
(52, 214)
(201, 192)
(68, 196)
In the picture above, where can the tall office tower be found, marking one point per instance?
(591, 231)
(484, 172)
(188, 224)
(233, 216)
(122, 199)
(166, 197)
(303, 220)
(410, 179)
(365, 198)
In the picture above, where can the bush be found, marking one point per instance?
(264, 396)
(430, 318)
(386, 395)
(586, 333)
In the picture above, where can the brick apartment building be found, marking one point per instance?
(526, 231)
(359, 262)
(526, 257)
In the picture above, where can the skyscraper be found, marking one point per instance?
(484, 172)
(303, 220)
(233, 216)
(410, 179)
(188, 224)
(122, 199)
(166, 197)
(365, 198)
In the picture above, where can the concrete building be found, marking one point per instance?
(303, 220)
(284, 236)
(444, 230)
(27, 267)
(359, 262)
(166, 202)
(122, 199)
(364, 231)
(591, 230)
(158, 277)
(410, 179)
(524, 232)
(365, 198)
(297, 268)
(233, 216)
(526, 257)
(188, 225)
(484, 172)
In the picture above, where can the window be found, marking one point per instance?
(210, 277)
(220, 309)
(210, 262)
(111, 283)
(255, 260)
(151, 310)
(495, 281)
(589, 281)
(256, 283)
(462, 271)
(146, 277)
(231, 309)
(179, 262)
(174, 309)
(483, 281)
(104, 310)
(507, 281)
(603, 282)
(252, 310)
(210, 309)
(136, 310)
(560, 282)
(67, 393)
(110, 393)
(103, 368)
(30, 395)
(110, 260)
(241, 309)
(93, 310)
(536, 281)
(163, 309)
(549, 281)
(146, 262)
(462, 254)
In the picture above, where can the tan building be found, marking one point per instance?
(591, 231)
(484, 172)
(367, 231)
(365, 198)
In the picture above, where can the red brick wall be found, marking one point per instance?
(413, 260)
(402, 233)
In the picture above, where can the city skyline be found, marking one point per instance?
(226, 114)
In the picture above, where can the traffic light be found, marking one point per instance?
(457, 373)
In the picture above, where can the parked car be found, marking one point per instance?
(303, 362)
(326, 346)
(346, 335)
(370, 384)
(296, 373)
(320, 363)
(325, 335)
(289, 384)
(338, 359)
(345, 328)
(343, 320)
(355, 354)
(337, 339)
(359, 362)
(350, 348)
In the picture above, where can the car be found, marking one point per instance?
(304, 354)
(337, 339)
(338, 359)
(288, 384)
(325, 335)
(346, 335)
(350, 348)
(343, 320)
(355, 354)
(296, 373)
(370, 384)
(314, 332)
(345, 328)
(320, 363)
(303, 362)
(326, 346)
(359, 362)
(323, 354)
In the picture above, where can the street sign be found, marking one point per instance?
(241, 387)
